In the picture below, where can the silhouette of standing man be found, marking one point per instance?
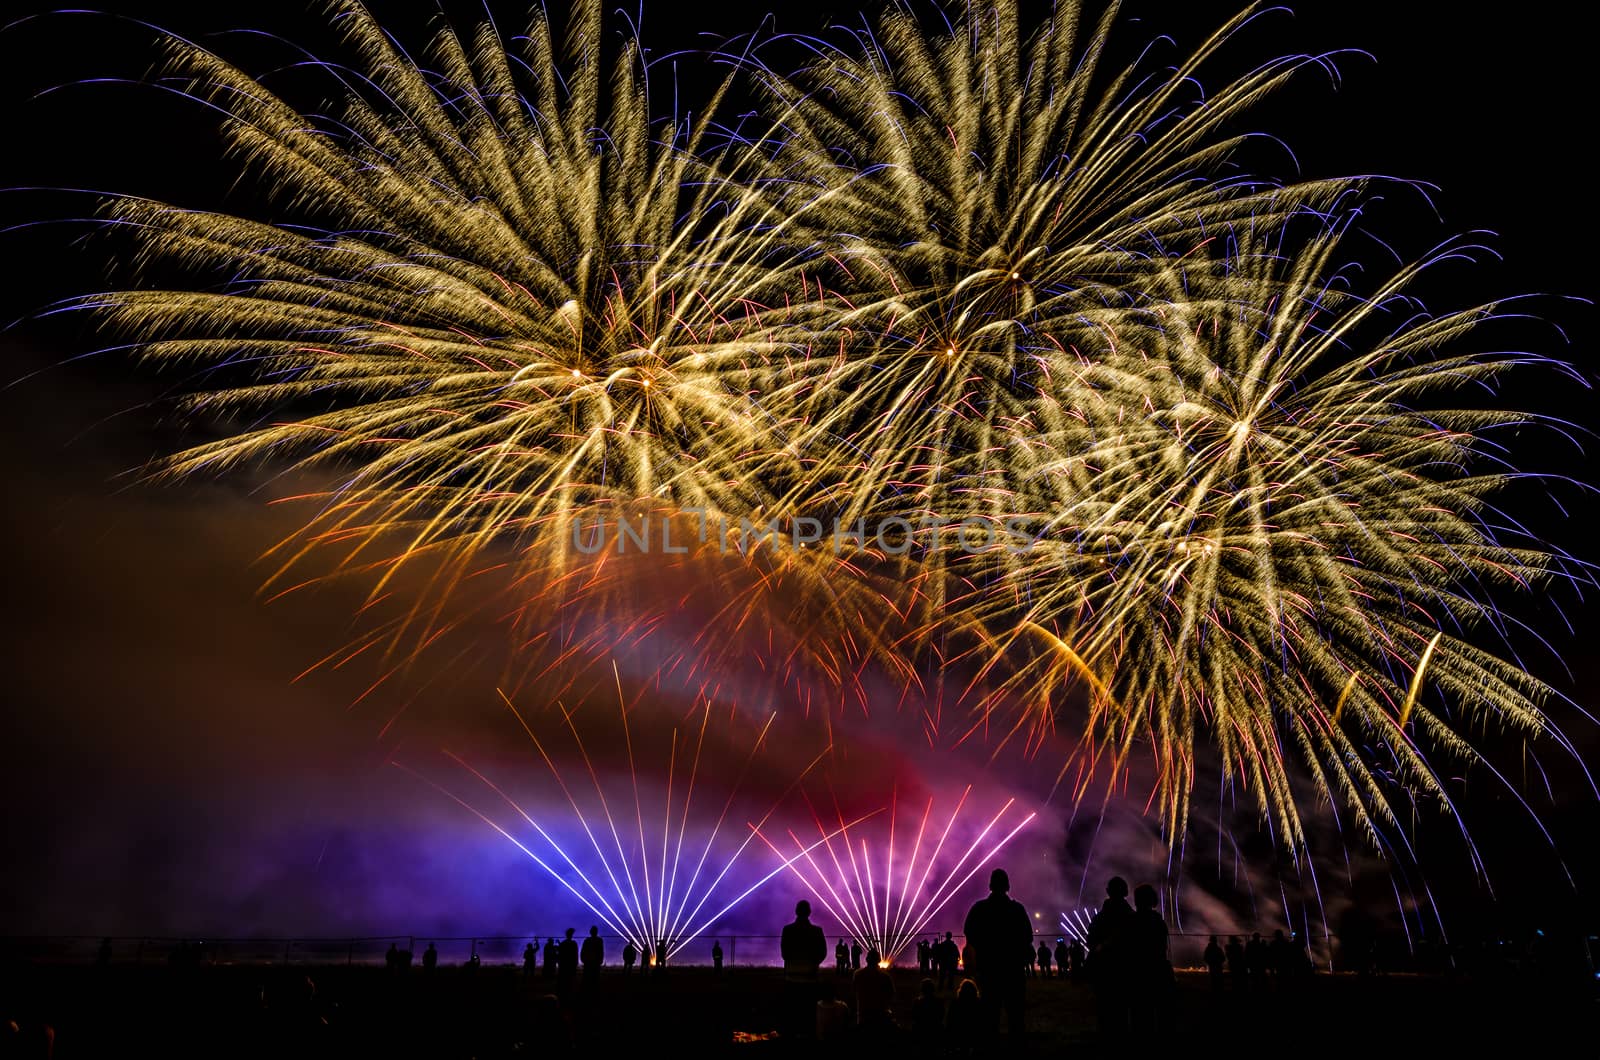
(1000, 938)
(593, 956)
(803, 949)
(1151, 970)
(1110, 960)
(946, 957)
(566, 964)
(1236, 962)
(1216, 963)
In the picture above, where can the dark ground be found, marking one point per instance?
(495, 1011)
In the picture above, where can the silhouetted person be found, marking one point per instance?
(1302, 966)
(716, 955)
(874, 958)
(803, 948)
(566, 964)
(1000, 937)
(802, 945)
(1078, 959)
(644, 958)
(1255, 955)
(924, 956)
(307, 1007)
(1110, 959)
(430, 958)
(1237, 965)
(944, 959)
(927, 1015)
(1153, 982)
(630, 953)
(841, 958)
(967, 1020)
(1216, 963)
(549, 958)
(1149, 930)
(662, 950)
(874, 993)
(391, 958)
(1044, 960)
(1280, 955)
(946, 956)
(855, 954)
(832, 1025)
(548, 1031)
(530, 959)
(592, 956)
(1063, 958)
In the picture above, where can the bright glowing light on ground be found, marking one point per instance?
(650, 876)
(886, 908)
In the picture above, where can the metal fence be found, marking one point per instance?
(1186, 949)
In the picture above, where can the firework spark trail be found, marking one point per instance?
(991, 206)
(1263, 506)
(1075, 924)
(944, 272)
(669, 906)
(887, 917)
(506, 330)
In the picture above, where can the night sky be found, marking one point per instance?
(164, 772)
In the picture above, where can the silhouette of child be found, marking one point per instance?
(927, 1015)
(966, 1019)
